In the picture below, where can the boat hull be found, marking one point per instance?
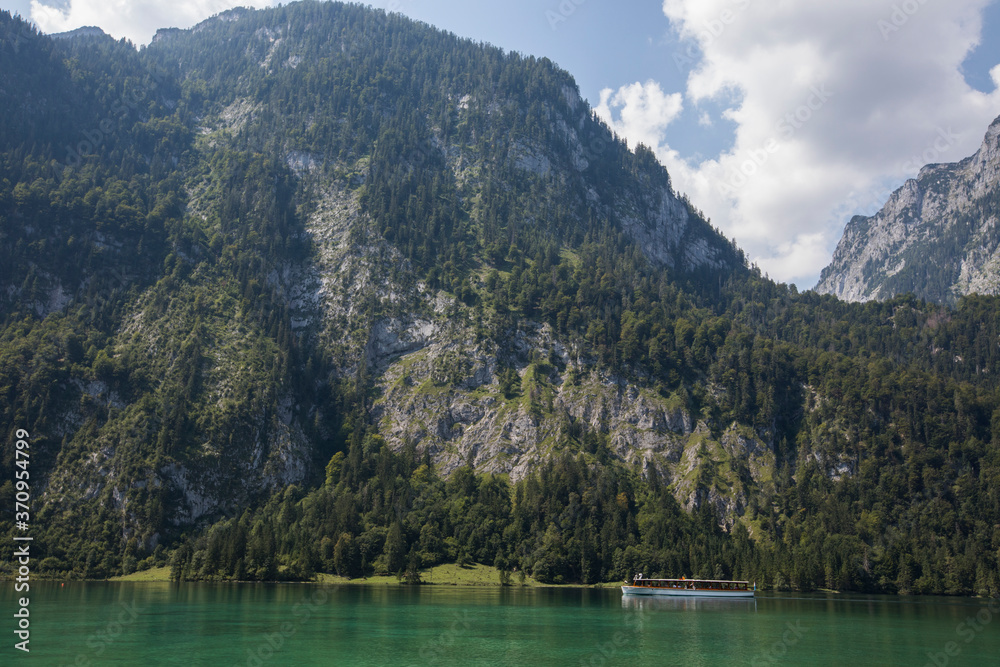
(685, 593)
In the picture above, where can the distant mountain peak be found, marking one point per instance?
(938, 235)
(85, 31)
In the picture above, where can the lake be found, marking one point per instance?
(94, 623)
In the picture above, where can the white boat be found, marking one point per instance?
(706, 588)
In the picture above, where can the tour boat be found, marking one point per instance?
(709, 588)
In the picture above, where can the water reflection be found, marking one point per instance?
(665, 603)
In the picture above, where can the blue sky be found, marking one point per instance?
(780, 120)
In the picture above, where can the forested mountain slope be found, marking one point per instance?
(333, 290)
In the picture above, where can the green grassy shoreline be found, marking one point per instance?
(449, 574)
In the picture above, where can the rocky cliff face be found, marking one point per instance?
(937, 236)
(437, 363)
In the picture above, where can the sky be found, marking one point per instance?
(779, 119)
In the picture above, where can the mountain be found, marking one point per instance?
(85, 31)
(938, 236)
(321, 289)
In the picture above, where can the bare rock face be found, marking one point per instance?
(937, 236)
(446, 399)
(437, 366)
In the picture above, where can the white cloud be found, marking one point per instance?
(138, 20)
(644, 112)
(833, 102)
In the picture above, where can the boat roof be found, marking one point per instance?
(707, 581)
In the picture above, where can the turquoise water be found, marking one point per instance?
(274, 624)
